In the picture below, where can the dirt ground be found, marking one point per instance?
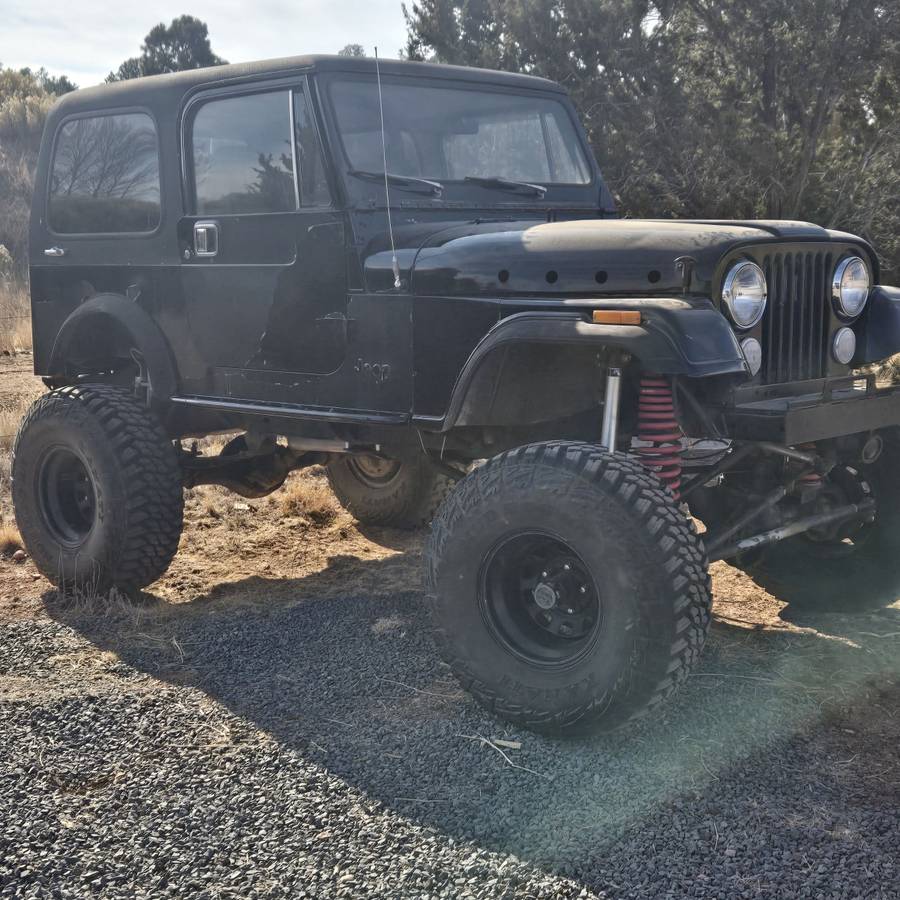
(835, 676)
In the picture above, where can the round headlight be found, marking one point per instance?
(744, 294)
(843, 345)
(850, 286)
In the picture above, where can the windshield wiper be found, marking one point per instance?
(504, 184)
(410, 183)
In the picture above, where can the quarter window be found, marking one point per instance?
(105, 176)
(310, 165)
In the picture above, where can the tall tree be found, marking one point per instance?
(785, 108)
(183, 44)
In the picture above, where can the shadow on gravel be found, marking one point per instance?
(780, 731)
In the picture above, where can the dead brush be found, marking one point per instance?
(309, 496)
(10, 539)
(888, 372)
(15, 318)
(11, 416)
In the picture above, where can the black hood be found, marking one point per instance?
(586, 256)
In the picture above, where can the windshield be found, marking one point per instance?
(449, 133)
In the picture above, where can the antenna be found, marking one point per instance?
(387, 191)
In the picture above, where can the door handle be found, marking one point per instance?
(206, 238)
(54, 251)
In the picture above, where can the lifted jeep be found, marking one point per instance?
(446, 311)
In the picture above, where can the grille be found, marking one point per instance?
(795, 325)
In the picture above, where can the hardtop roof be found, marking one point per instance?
(153, 88)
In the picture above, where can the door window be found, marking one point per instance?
(244, 158)
(105, 176)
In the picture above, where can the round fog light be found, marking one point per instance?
(752, 350)
(843, 345)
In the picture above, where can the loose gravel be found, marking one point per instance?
(316, 748)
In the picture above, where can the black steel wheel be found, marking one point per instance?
(569, 592)
(378, 490)
(97, 489)
(539, 599)
(67, 498)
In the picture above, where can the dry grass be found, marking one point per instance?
(15, 318)
(11, 415)
(889, 371)
(9, 422)
(10, 539)
(308, 494)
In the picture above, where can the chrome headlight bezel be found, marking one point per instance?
(839, 290)
(731, 299)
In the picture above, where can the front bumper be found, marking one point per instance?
(812, 411)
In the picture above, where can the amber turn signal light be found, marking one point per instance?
(616, 317)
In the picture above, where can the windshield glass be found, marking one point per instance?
(448, 133)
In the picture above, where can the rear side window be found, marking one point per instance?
(105, 176)
(244, 155)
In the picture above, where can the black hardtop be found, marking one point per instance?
(154, 90)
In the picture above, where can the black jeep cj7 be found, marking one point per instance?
(447, 313)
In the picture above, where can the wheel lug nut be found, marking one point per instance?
(543, 574)
(583, 589)
(567, 567)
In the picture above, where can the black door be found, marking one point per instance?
(263, 273)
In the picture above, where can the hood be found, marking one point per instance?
(586, 256)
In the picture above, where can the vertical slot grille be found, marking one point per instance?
(795, 323)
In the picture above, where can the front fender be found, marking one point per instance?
(881, 322)
(545, 358)
(109, 318)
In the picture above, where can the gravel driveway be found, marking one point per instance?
(313, 746)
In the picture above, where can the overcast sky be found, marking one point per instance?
(86, 39)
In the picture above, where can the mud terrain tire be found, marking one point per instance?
(386, 492)
(621, 538)
(97, 489)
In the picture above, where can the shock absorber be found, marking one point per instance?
(659, 432)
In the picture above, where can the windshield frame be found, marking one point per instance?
(585, 194)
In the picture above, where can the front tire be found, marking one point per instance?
(569, 592)
(377, 490)
(97, 490)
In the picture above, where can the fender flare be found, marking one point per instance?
(676, 337)
(880, 336)
(142, 332)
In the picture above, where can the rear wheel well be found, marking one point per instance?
(102, 346)
(111, 340)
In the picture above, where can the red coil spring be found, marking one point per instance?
(810, 477)
(659, 432)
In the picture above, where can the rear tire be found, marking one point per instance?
(381, 491)
(97, 491)
(569, 592)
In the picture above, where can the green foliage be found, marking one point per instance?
(183, 44)
(712, 108)
(352, 50)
